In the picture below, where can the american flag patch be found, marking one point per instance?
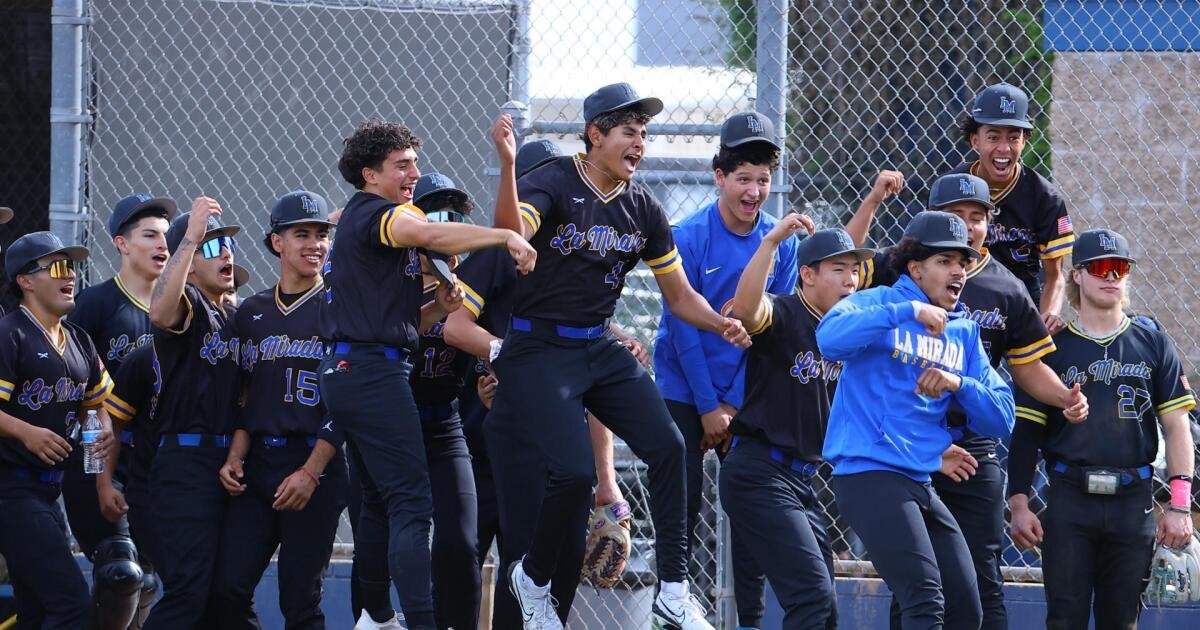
(1183, 379)
(1064, 225)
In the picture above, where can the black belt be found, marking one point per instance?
(195, 439)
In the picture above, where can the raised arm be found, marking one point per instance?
(887, 183)
(167, 307)
(507, 214)
(749, 300)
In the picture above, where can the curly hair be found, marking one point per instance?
(610, 120)
(727, 160)
(967, 126)
(908, 249)
(370, 145)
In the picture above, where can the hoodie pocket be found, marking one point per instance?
(911, 444)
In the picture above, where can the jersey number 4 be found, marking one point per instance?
(305, 384)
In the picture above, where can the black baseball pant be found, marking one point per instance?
(88, 524)
(187, 505)
(367, 393)
(1096, 548)
(547, 381)
(49, 588)
(977, 505)
(774, 509)
(488, 522)
(370, 584)
(915, 545)
(520, 476)
(253, 530)
(456, 581)
(749, 582)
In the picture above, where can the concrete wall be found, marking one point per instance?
(1124, 130)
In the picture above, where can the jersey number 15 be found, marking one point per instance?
(306, 389)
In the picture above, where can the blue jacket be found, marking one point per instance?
(878, 422)
(698, 367)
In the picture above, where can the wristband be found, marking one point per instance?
(316, 480)
(1179, 510)
(494, 349)
(1181, 492)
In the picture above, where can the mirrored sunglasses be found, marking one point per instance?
(212, 247)
(1104, 266)
(59, 269)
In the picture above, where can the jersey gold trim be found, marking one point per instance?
(471, 299)
(1073, 327)
(1183, 402)
(1058, 248)
(1032, 415)
(1030, 353)
(119, 409)
(530, 214)
(604, 198)
(666, 263)
(59, 346)
(132, 299)
(288, 310)
(998, 194)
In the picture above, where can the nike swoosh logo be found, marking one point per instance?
(708, 271)
(1149, 510)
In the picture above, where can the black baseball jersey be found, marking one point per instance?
(1032, 225)
(280, 350)
(488, 279)
(200, 376)
(45, 383)
(789, 386)
(117, 321)
(438, 368)
(586, 243)
(1010, 326)
(372, 286)
(134, 399)
(1130, 378)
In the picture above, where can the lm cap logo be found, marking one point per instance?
(1007, 105)
(1108, 243)
(966, 187)
(753, 124)
(844, 240)
(308, 204)
(959, 230)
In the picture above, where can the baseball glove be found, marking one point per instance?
(608, 545)
(1174, 574)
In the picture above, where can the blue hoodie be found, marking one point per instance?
(698, 367)
(878, 422)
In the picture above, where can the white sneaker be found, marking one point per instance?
(675, 612)
(537, 605)
(365, 622)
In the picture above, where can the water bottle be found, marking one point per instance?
(91, 432)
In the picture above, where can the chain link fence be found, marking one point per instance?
(244, 100)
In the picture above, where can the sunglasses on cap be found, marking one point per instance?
(1102, 267)
(59, 270)
(445, 216)
(212, 247)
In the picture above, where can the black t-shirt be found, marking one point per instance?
(1010, 326)
(789, 386)
(45, 384)
(1130, 379)
(198, 361)
(134, 399)
(1032, 225)
(116, 320)
(280, 350)
(372, 286)
(586, 243)
(438, 368)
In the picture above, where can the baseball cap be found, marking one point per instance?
(433, 183)
(940, 231)
(616, 96)
(957, 187)
(534, 154)
(745, 127)
(1099, 243)
(215, 228)
(26, 250)
(828, 243)
(1002, 104)
(131, 206)
(298, 206)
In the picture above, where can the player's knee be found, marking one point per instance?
(116, 571)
